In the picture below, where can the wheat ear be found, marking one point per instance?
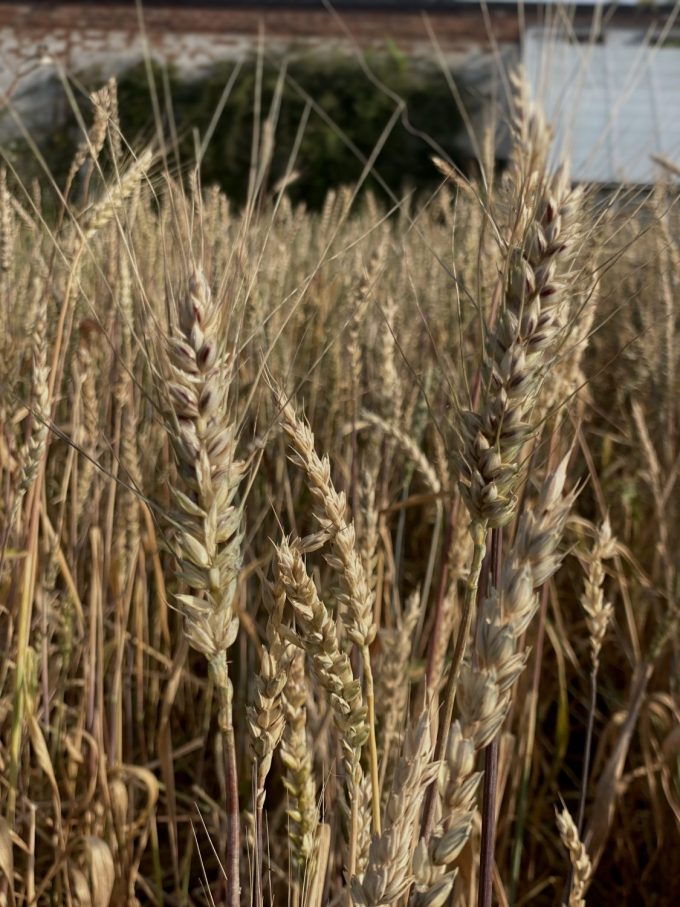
(486, 686)
(544, 212)
(266, 718)
(303, 815)
(393, 685)
(31, 454)
(389, 870)
(330, 509)
(581, 867)
(598, 611)
(113, 201)
(317, 635)
(207, 529)
(598, 616)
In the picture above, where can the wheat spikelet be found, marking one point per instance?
(330, 510)
(32, 452)
(266, 719)
(578, 856)
(96, 135)
(598, 612)
(303, 815)
(357, 594)
(368, 518)
(392, 687)
(316, 634)
(362, 796)
(7, 226)
(389, 870)
(390, 393)
(409, 446)
(84, 376)
(113, 201)
(207, 529)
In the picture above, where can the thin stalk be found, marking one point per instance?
(434, 547)
(259, 837)
(372, 746)
(478, 531)
(583, 791)
(23, 635)
(439, 600)
(486, 856)
(219, 672)
(523, 798)
(19, 688)
(486, 853)
(353, 835)
(233, 830)
(587, 750)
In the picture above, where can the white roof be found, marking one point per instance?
(612, 105)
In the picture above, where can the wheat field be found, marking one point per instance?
(338, 549)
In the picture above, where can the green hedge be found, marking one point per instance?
(336, 83)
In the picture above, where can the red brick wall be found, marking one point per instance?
(366, 27)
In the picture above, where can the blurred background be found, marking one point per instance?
(611, 83)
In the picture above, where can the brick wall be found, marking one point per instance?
(79, 35)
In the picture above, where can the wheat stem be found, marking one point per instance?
(478, 530)
(372, 746)
(485, 890)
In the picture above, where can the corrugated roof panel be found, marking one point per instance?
(612, 105)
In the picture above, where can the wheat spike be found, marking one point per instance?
(389, 870)
(486, 684)
(578, 856)
(530, 327)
